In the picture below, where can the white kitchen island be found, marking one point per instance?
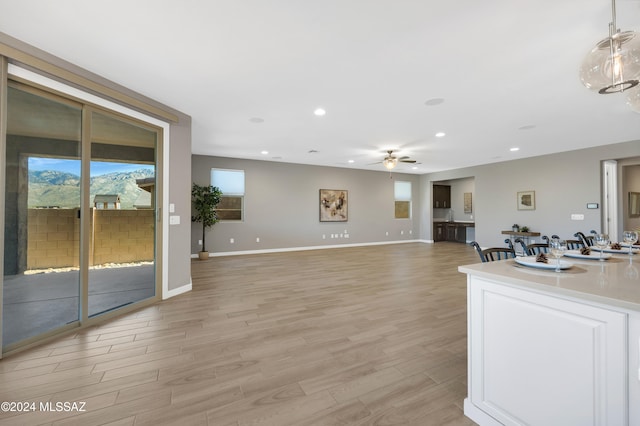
(548, 348)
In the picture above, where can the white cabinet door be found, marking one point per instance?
(634, 369)
(541, 360)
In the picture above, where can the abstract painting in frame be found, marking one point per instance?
(527, 200)
(333, 205)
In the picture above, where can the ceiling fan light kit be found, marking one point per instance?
(613, 65)
(390, 162)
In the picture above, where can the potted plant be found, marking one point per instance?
(515, 227)
(204, 200)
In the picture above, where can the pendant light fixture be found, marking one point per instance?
(613, 66)
(633, 99)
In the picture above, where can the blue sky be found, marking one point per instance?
(73, 166)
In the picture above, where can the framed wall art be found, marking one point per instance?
(527, 200)
(468, 204)
(334, 205)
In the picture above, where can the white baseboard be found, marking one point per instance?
(176, 291)
(288, 249)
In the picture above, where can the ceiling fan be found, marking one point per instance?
(391, 161)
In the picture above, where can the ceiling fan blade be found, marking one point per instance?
(404, 157)
(408, 161)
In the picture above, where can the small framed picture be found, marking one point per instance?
(527, 200)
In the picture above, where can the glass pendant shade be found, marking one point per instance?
(613, 66)
(390, 163)
(633, 99)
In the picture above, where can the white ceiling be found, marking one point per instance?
(506, 69)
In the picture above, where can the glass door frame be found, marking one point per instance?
(91, 103)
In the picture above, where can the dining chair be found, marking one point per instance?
(587, 241)
(574, 244)
(493, 253)
(508, 242)
(533, 249)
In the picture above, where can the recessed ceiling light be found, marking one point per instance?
(514, 149)
(434, 101)
(319, 112)
(264, 152)
(351, 161)
(440, 134)
(415, 167)
(256, 120)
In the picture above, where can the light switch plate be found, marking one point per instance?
(174, 220)
(576, 216)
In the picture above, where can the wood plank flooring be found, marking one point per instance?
(371, 335)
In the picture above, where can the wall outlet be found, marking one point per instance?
(386, 233)
(324, 237)
(199, 242)
(231, 240)
(257, 239)
(401, 232)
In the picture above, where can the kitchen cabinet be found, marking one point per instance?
(552, 349)
(460, 234)
(439, 231)
(451, 231)
(442, 196)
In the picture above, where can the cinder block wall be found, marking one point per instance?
(118, 236)
(122, 236)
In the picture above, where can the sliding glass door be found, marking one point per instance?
(80, 214)
(41, 289)
(123, 205)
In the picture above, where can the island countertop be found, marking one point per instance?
(614, 282)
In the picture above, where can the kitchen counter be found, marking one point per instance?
(548, 347)
(613, 282)
(453, 222)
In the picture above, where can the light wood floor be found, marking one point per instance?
(353, 336)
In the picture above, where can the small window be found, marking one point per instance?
(402, 195)
(231, 183)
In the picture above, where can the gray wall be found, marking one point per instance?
(179, 268)
(282, 207)
(563, 183)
